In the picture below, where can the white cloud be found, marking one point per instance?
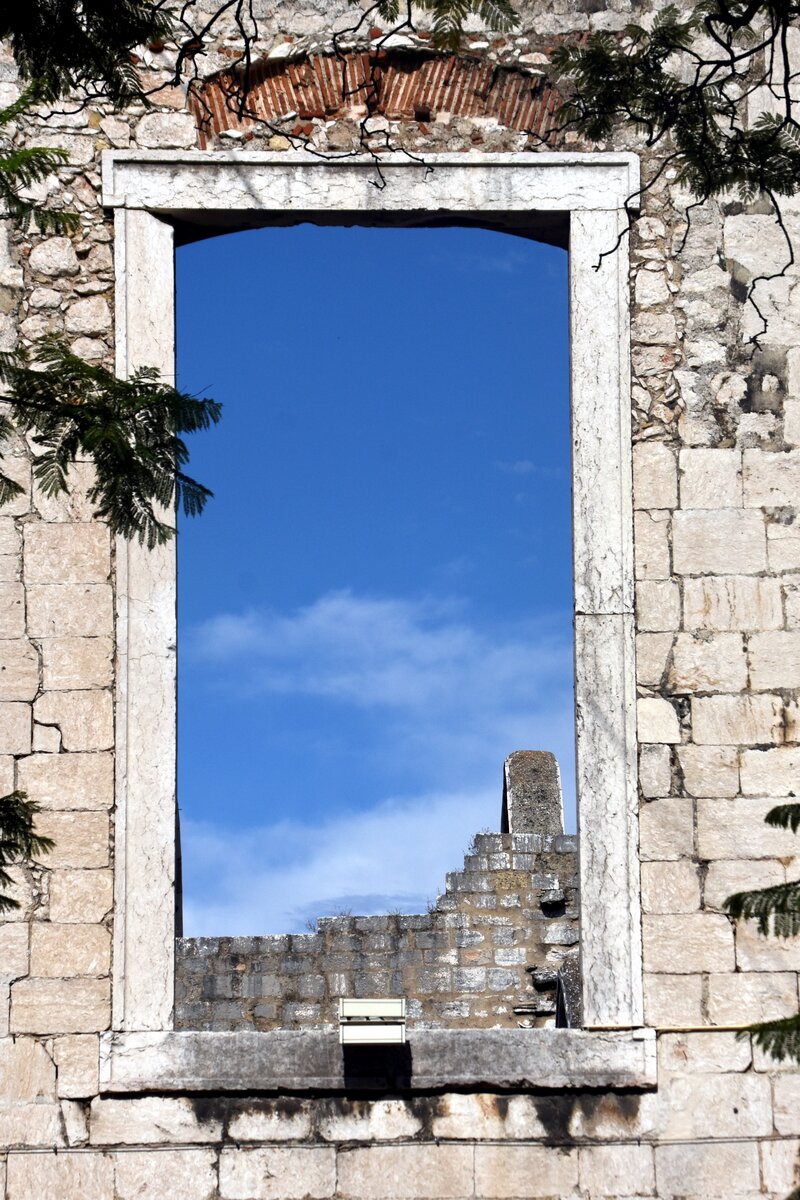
(368, 651)
(275, 878)
(526, 466)
(453, 699)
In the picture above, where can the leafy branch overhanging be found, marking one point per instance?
(776, 911)
(18, 840)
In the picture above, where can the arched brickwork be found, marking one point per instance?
(410, 85)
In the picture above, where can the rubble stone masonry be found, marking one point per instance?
(715, 435)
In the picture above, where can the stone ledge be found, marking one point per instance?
(432, 1060)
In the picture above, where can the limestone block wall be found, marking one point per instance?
(715, 433)
(486, 955)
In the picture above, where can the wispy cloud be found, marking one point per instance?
(453, 699)
(369, 651)
(276, 878)
(524, 466)
(503, 256)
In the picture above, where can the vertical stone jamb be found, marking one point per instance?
(605, 680)
(144, 904)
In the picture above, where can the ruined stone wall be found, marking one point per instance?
(485, 956)
(716, 437)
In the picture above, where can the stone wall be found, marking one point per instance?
(486, 955)
(716, 444)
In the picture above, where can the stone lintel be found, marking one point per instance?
(431, 1060)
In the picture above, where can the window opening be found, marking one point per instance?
(376, 608)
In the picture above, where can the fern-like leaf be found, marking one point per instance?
(18, 840)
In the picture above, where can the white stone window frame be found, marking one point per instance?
(149, 191)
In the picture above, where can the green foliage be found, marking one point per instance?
(18, 839)
(83, 45)
(22, 168)
(449, 16)
(129, 428)
(775, 909)
(777, 913)
(686, 82)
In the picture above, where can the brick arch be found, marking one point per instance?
(400, 85)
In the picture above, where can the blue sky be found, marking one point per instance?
(375, 608)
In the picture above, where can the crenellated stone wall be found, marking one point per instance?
(486, 955)
(677, 1109)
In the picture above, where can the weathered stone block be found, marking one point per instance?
(379, 1121)
(62, 1176)
(787, 1103)
(505, 1171)
(617, 1170)
(479, 1116)
(655, 476)
(46, 739)
(779, 1165)
(770, 772)
(16, 728)
(52, 1006)
(655, 771)
(68, 610)
(19, 670)
(666, 829)
(771, 480)
(80, 896)
(726, 877)
(736, 829)
(743, 999)
(70, 664)
(657, 721)
(159, 130)
(658, 605)
(651, 288)
(27, 1073)
(77, 1058)
(737, 720)
(54, 256)
(149, 1119)
(716, 1052)
(754, 952)
(783, 547)
(68, 781)
(774, 659)
(651, 539)
(91, 315)
(31, 1125)
(687, 944)
(12, 610)
(81, 839)
(14, 944)
(166, 1175)
(711, 478)
(719, 542)
(66, 950)
(270, 1121)
(670, 887)
(652, 652)
(728, 1171)
(85, 719)
(282, 1173)
(532, 800)
(709, 770)
(73, 505)
(66, 553)
(735, 602)
(708, 664)
(728, 1105)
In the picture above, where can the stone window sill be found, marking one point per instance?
(431, 1060)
